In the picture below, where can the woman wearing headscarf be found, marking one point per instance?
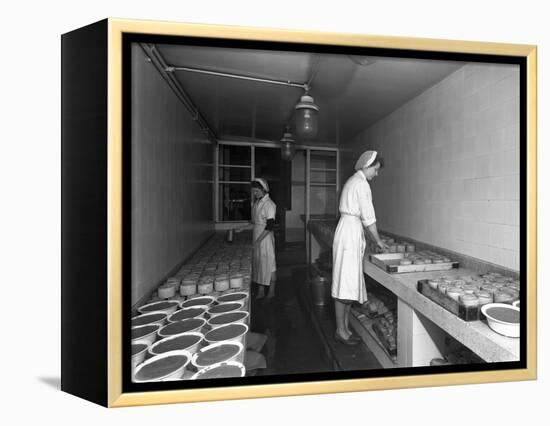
(348, 248)
(263, 220)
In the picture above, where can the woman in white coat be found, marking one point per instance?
(348, 248)
(263, 241)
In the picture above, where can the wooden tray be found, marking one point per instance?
(391, 350)
(389, 262)
(466, 314)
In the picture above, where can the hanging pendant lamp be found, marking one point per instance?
(307, 121)
(288, 146)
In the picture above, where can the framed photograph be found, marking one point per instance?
(254, 212)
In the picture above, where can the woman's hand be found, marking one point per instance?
(260, 238)
(382, 246)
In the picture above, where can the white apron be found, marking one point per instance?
(348, 249)
(263, 256)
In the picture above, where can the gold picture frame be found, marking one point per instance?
(110, 383)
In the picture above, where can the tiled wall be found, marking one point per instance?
(452, 164)
(171, 180)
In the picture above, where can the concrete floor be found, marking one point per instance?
(300, 335)
(292, 346)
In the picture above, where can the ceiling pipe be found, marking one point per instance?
(314, 70)
(170, 69)
(158, 61)
(303, 86)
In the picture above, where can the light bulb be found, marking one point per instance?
(288, 147)
(306, 118)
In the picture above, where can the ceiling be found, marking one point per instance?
(350, 96)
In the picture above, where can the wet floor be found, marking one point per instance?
(293, 345)
(301, 335)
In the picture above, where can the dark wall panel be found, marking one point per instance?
(84, 212)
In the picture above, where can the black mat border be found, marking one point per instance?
(129, 38)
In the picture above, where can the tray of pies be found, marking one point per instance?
(395, 263)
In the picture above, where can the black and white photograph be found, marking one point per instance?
(251, 213)
(304, 212)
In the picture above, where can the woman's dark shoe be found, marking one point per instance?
(348, 342)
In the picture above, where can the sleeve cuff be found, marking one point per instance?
(368, 222)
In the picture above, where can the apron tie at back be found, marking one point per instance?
(349, 214)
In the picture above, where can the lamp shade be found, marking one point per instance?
(288, 147)
(306, 118)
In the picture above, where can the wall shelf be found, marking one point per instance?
(323, 181)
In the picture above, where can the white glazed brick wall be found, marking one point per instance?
(452, 164)
(171, 205)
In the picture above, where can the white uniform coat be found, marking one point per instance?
(263, 259)
(348, 247)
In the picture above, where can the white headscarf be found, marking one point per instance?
(365, 160)
(262, 182)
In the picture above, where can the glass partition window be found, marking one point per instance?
(238, 164)
(234, 202)
(233, 155)
(234, 176)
